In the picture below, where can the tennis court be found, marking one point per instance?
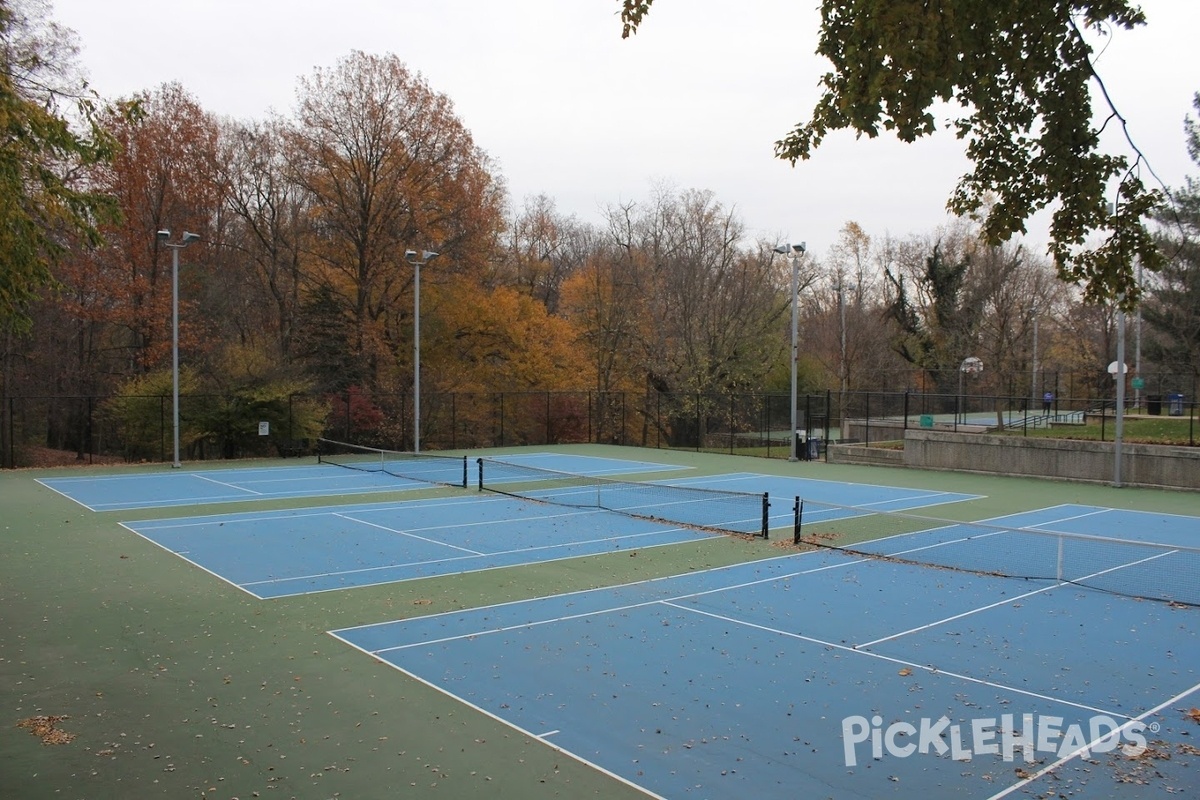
(194, 487)
(283, 553)
(1048, 648)
(273, 554)
(825, 674)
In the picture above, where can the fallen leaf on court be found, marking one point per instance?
(1194, 714)
(906, 671)
(422, 602)
(44, 727)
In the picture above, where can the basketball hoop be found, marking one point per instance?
(971, 366)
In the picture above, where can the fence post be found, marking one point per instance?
(829, 417)
(867, 421)
(162, 428)
(731, 423)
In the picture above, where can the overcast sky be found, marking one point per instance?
(567, 108)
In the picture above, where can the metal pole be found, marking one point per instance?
(417, 357)
(417, 260)
(175, 351)
(1137, 352)
(1120, 376)
(795, 349)
(1033, 381)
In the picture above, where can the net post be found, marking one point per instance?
(766, 516)
(465, 483)
(1058, 570)
(797, 516)
(479, 461)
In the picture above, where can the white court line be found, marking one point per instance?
(201, 567)
(410, 535)
(326, 511)
(490, 715)
(911, 664)
(465, 557)
(1087, 748)
(233, 486)
(1057, 585)
(786, 634)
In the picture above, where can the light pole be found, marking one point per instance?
(969, 366)
(794, 252)
(1117, 370)
(411, 257)
(1033, 381)
(188, 238)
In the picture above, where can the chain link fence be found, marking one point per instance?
(137, 429)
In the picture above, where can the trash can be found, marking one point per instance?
(1175, 404)
(1154, 404)
(814, 449)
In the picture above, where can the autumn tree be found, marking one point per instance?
(45, 206)
(602, 299)
(163, 178)
(385, 166)
(545, 248)
(1021, 72)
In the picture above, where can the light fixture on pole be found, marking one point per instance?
(969, 366)
(411, 256)
(794, 252)
(188, 238)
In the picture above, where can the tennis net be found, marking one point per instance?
(436, 468)
(1144, 570)
(743, 513)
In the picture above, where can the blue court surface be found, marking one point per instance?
(782, 490)
(193, 487)
(826, 675)
(280, 553)
(274, 554)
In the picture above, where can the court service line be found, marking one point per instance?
(1038, 525)
(627, 607)
(912, 664)
(325, 511)
(464, 557)
(408, 534)
(233, 486)
(1057, 585)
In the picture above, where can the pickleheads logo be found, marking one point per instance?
(1009, 736)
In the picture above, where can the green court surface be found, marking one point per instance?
(174, 684)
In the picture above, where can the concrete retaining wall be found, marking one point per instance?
(1067, 459)
(862, 454)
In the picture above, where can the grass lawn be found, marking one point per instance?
(1147, 430)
